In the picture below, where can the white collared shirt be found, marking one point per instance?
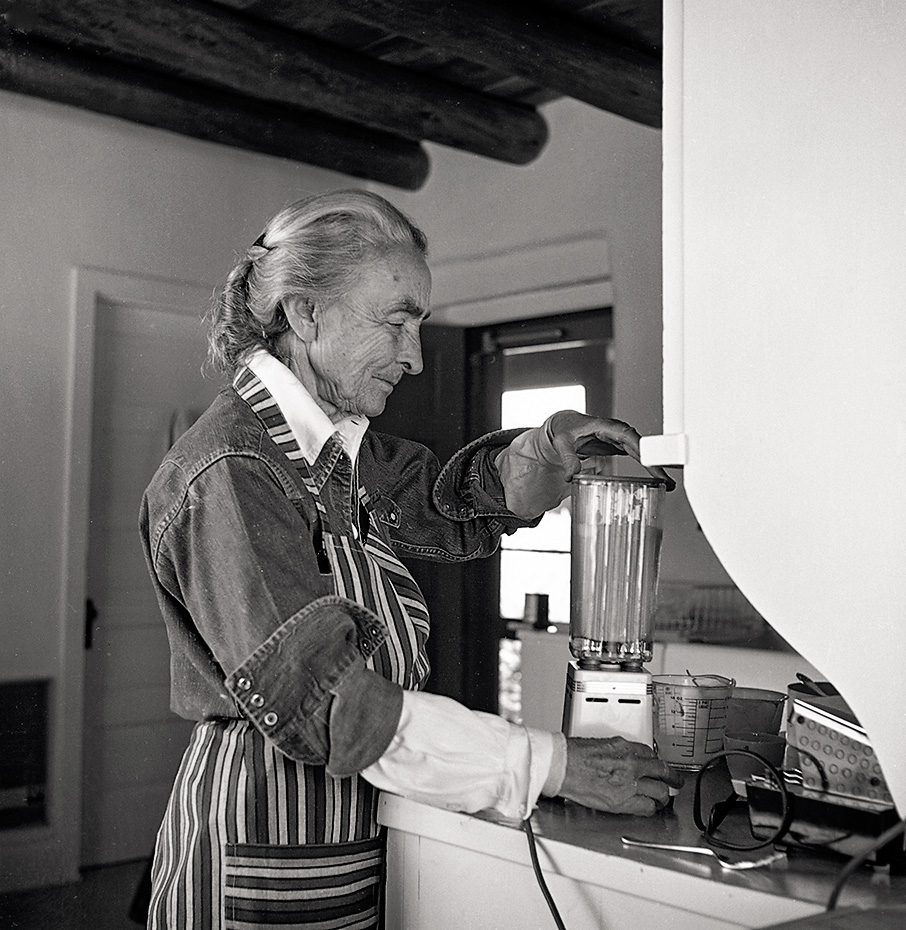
(442, 754)
(310, 424)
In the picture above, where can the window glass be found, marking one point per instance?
(536, 560)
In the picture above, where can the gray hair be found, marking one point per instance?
(312, 249)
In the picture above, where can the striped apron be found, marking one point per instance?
(254, 839)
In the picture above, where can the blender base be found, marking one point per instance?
(608, 701)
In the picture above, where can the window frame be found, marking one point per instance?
(506, 356)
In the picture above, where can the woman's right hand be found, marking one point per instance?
(617, 776)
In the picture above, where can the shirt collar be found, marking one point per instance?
(310, 425)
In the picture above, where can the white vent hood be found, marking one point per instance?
(785, 325)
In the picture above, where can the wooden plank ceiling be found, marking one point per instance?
(352, 85)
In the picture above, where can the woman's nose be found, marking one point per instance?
(411, 356)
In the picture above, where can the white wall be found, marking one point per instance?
(79, 189)
(600, 174)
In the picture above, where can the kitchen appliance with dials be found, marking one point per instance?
(615, 561)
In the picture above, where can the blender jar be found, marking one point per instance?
(615, 559)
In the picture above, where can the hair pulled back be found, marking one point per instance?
(312, 249)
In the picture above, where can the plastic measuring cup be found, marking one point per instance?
(690, 717)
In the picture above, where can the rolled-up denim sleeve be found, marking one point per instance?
(238, 554)
(451, 513)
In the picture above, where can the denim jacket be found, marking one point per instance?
(230, 537)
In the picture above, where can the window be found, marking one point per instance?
(538, 553)
(520, 373)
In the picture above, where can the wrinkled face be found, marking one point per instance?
(364, 342)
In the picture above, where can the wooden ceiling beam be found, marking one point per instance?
(550, 49)
(93, 84)
(209, 44)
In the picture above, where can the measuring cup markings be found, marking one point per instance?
(691, 716)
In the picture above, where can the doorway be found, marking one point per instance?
(137, 382)
(521, 372)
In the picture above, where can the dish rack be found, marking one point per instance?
(713, 613)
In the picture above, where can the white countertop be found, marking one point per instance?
(580, 848)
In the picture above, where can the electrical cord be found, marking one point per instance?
(890, 834)
(786, 819)
(786, 813)
(536, 866)
(843, 876)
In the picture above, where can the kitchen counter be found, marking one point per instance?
(543, 658)
(451, 870)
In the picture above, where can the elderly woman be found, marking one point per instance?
(273, 531)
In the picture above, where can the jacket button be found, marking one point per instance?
(374, 631)
(256, 700)
(270, 718)
(244, 684)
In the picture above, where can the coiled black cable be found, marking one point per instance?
(786, 818)
(890, 834)
(786, 814)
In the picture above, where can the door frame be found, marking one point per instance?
(483, 626)
(90, 288)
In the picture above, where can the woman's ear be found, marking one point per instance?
(300, 314)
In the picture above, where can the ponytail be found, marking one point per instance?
(312, 249)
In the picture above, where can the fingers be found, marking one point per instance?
(565, 446)
(657, 769)
(577, 428)
(580, 435)
(574, 435)
(623, 435)
(640, 806)
(657, 472)
(617, 775)
(610, 433)
(614, 433)
(646, 796)
(656, 790)
(640, 750)
(653, 777)
(675, 778)
(627, 439)
(619, 747)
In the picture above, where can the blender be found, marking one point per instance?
(615, 560)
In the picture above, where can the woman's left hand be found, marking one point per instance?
(538, 465)
(576, 437)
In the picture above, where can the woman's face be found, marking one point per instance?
(360, 345)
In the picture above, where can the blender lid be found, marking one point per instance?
(619, 479)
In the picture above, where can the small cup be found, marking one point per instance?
(536, 611)
(770, 746)
(755, 710)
